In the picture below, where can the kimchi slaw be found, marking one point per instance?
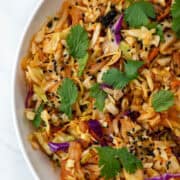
(98, 82)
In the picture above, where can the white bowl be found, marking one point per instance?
(38, 163)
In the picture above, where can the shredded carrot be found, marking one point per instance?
(67, 72)
(166, 12)
(24, 63)
(42, 56)
(176, 57)
(175, 83)
(64, 172)
(96, 67)
(152, 54)
(75, 14)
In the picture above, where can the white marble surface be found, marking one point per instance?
(13, 17)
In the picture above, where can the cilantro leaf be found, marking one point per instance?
(131, 68)
(129, 162)
(99, 95)
(108, 162)
(68, 94)
(162, 100)
(118, 79)
(159, 29)
(115, 78)
(175, 8)
(111, 161)
(77, 42)
(82, 63)
(176, 26)
(175, 11)
(37, 119)
(137, 14)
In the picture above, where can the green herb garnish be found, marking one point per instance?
(175, 11)
(118, 79)
(162, 100)
(138, 14)
(129, 162)
(82, 64)
(100, 96)
(131, 68)
(78, 43)
(37, 119)
(111, 161)
(68, 94)
(159, 29)
(115, 78)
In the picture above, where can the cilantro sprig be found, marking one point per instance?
(129, 162)
(82, 64)
(162, 100)
(118, 79)
(111, 161)
(37, 119)
(100, 96)
(131, 68)
(138, 14)
(77, 42)
(115, 78)
(68, 94)
(175, 11)
(159, 29)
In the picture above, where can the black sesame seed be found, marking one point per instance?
(56, 18)
(112, 6)
(83, 107)
(150, 153)
(49, 24)
(132, 114)
(128, 133)
(99, 61)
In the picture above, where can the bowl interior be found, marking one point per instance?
(38, 162)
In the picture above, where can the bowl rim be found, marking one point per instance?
(23, 150)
